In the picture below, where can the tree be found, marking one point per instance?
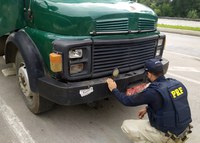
(166, 9)
(183, 7)
(192, 14)
(177, 8)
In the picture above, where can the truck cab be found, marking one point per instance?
(64, 50)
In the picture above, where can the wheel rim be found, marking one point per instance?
(24, 82)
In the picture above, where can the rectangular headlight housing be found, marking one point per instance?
(75, 53)
(158, 52)
(160, 46)
(160, 42)
(76, 58)
(76, 68)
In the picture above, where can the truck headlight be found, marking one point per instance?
(76, 68)
(160, 46)
(160, 42)
(75, 53)
(158, 52)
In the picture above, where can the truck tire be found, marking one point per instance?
(2, 44)
(33, 101)
(1, 48)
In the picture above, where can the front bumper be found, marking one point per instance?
(69, 93)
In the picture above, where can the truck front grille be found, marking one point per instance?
(124, 55)
(146, 24)
(112, 25)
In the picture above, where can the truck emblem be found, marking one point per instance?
(115, 72)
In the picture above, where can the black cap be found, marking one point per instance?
(154, 65)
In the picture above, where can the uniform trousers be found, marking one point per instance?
(140, 131)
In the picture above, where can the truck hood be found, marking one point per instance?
(80, 19)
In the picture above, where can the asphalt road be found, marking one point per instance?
(83, 124)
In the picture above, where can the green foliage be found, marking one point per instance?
(158, 11)
(192, 14)
(166, 9)
(176, 8)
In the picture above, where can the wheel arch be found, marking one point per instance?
(21, 41)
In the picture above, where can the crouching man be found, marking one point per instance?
(167, 108)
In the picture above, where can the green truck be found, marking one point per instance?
(64, 50)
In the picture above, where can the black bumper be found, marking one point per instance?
(69, 93)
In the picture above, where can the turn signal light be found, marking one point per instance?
(55, 62)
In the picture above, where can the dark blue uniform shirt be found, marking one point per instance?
(148, 96)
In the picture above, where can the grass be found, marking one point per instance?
(179, 27)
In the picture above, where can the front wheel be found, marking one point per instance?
(34, 101)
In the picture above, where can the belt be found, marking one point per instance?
(181, 137)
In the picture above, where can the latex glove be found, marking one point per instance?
(142, 112)
(111, 84)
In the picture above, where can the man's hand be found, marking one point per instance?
(111, 84)
(142, 112)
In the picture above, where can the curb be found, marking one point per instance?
(179, 31)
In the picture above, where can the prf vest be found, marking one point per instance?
(175, 112)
